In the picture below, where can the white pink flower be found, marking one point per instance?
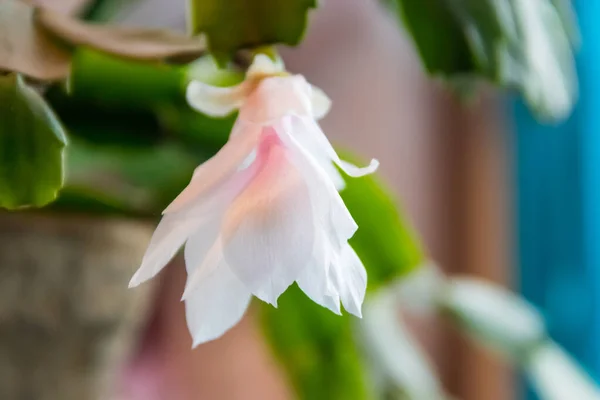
(265, 211)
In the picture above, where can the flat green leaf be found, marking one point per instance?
(25, 48)
(555, 375)
(438, 36)
(525, 45)
(134, 180)
(155, 89)
(385, 241)
(237, 24)
(317, 349)
(124, 83)
(404, 366)
(32, 141)
(494, 316)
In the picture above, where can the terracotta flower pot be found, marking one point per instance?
(67, 318)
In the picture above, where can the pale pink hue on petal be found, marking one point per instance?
(268, 230)
(244, 139)
(276, 97)
(203, 214)
(265, 211)
(335, 218)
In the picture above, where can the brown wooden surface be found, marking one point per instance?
(481, 234)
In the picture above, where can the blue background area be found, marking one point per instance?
(558, 208)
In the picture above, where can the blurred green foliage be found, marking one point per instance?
(438, 36)
(527, 46)
(154, 92)
(136, 140)
(124, 84)
(494, 316)
(316, 348)
(385, 240)
(236, 24)
(136, 181)
(32, 141)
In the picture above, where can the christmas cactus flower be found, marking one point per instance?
(265, 211)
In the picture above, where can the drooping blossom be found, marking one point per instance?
(265, 211)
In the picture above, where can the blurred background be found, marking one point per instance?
(491, 192)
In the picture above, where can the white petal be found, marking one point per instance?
(333, 174)
(351, 278)
(174, 229)
(329, 208)
(268, 231)
(169, 236)
(263, 65)
(310, 143)
(204, 250)
(221, 166)
(355, 171)
(201, 217)
(275, 97)
(315, 281)
(320, 103)
(206, 265)
(218, 303)
(199, 245)
(310, 131)
(216, 101)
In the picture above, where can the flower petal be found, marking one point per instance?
(221, 166)
(330, 210)
(321, 104)
(333, 174)
(202, 217)
(199, 245)
(197, 273)
(351, 279)
(169, 236)
(347, 272)
(201, 222)
(268, 232)
(356, 171)
(216, 101)
(263, 65)
(313, 136)
(315, 282)
(217, 304)
(275, 97)
(309, 141)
